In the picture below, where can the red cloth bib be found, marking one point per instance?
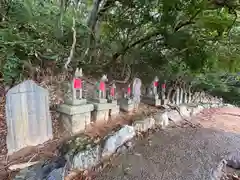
(129, 90)
(102, 86)
(156, 84)
(77, 83)
(164, 86)
(112, 91)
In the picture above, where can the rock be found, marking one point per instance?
(233, 160)
(144, 124)
(185, 111)
(86, 159)
(118, 139)
(218, 172)
(197, 110)
(41, 170)
(56, 174)
(161, 119)
(174, 116)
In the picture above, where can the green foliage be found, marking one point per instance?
(157, 37)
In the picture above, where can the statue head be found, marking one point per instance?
(78, 72)
(104, 78)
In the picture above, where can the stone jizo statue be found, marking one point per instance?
(77, 85)
(101, 87)
(155, 86)
(163, 93)
(113, 92)
(137, 83)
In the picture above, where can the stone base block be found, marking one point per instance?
(100, 115)
(126, 105)
(163, 101)
(100, 101)
(101, 111)
(75, 102)
(75, 118)
(77, 122)
(114, 111)
(71, 110)
(112, 101)
(151, 101)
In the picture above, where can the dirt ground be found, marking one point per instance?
(181, 153)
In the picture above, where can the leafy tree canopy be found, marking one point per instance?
(147, 37)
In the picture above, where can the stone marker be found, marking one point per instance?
(75, 112)
(100, 102)
(28, 117)
(177, 100)
(185, 98)
(163, 94)
(137, 83)
(114, 111)
(181, 96)
(153, 98)
(126, 103)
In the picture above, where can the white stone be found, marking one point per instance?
(144, 124)
(118, 139)
(185, 111)
(161, 119)
(174, 115)
(86, 159)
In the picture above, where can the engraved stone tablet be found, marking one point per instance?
(28, 116)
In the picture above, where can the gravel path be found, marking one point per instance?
(180, 153)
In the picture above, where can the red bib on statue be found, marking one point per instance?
(129, 90)
(164, 86)
(77, 83)
(112, 92)
(102, 86)
(156, 84)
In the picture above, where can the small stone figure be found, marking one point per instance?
(101, 87)
(137, 83)
(77, 85)
(163, 93)
(155, 86)
(113, 92)
(129, 92)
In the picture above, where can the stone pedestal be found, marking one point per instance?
(163, 101)
(75, 115)
(101, 109)
(114, 111)
(151, 100)
(126, 105)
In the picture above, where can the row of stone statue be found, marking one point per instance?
(29, 119)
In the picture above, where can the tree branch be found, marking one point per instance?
(145, 39)
(70, 57)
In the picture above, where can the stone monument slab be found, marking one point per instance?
(28, 116)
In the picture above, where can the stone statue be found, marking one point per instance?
(73, 90)
(77, 85)
(163, 92)
(155, 86)
(101, 87)
(137, 83)
(112, 93)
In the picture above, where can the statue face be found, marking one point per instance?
(104, 78)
